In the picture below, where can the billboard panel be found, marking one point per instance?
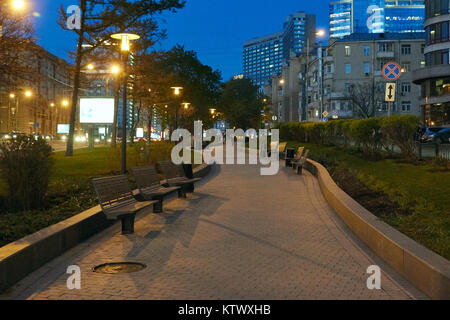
(97, 110)
(63, 129)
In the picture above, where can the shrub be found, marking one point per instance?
(25, 166)
(367, 135)
(400, 130)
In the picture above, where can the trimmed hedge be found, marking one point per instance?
(371, 136)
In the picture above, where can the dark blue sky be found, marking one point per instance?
(215, 29)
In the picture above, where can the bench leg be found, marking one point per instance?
(182, 193)
(158, 207)
(128, 224)
(300, 170)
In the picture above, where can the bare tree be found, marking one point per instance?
(16, 38)
(364, 99)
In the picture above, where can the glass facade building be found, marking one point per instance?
(435, 76)
(376, 16)
(264, 56)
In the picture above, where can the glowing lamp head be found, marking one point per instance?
(177, 90)
(125, 39)
(12, 95)
(90, 66)
(186, 105)
(65, 103)
(52, 104)
(282, 81)
(321, 33)
(28, 94)
(115, 69)
(18, 5)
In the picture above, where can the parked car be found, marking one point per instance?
(429, 132)
(12, 135)
(440, 137)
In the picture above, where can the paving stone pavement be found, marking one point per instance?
(240, 236)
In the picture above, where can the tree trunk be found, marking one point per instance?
(76, 82)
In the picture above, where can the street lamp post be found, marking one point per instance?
(177, 93)
(125, 49)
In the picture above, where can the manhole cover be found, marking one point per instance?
(120, 267)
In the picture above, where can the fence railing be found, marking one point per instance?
(433, 150)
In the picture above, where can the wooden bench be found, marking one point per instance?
(282, 148)
(298, 164)
(150, 188)
(117, 201)
(297, 156)
(175, 177)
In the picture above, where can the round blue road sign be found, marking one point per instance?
(392, 71)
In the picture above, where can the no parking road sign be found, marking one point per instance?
(392, 71)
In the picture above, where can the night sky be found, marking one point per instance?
(215, 29)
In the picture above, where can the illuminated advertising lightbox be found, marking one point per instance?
(97, 110)
(63, 128)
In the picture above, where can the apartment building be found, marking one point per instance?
(435, 77)
(325, 79)
(40, 104)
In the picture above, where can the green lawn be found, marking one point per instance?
(419, 188)
(70, 190)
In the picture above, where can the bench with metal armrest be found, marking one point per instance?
(117, 201)
(298, 164)
(175, 177)
(150, 188)
(296, 157)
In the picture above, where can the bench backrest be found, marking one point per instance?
(300, 152)
(113, 191)
(305, 157)
(146, 178)
(282, 147)
(170, 170)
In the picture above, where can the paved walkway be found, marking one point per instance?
(240, 236)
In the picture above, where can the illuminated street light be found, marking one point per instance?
(115, 69)
(282, 81)
(186, 105)
(18, 5)
(321, 33)
(12, 95)
(52, 104)
(28, 94)
(213, 111)
(177, 90)
(125, 39)
(90, 66)
(65, 103)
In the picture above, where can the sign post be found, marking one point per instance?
(392, 71)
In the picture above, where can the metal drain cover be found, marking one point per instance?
(120, 267)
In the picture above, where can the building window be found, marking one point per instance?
(406, 87)
(384, 47)
(406, 49)
(406, 67)
(406, 106)
(348, 68)
(366, 67)
(366, 51)
(348, 51)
